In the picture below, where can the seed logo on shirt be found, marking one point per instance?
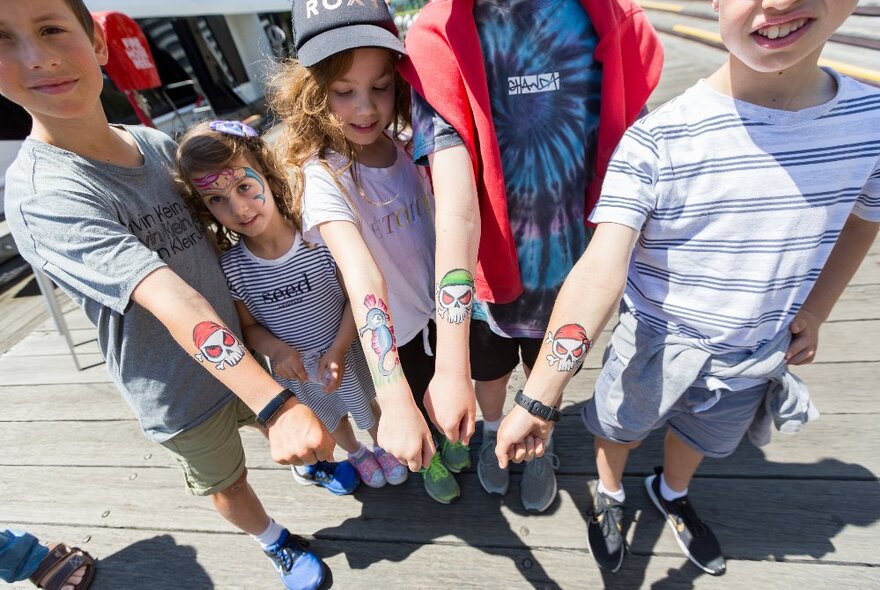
(290, 294)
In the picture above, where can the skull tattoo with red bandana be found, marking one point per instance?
(568, 347)
(218, 345)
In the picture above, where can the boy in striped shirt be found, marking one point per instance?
(731, 219)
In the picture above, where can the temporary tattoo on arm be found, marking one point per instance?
(568, 346)
(455, 296)
(224, 180)
(382, 338)
(217, 345)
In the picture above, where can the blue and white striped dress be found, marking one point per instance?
(739, 207)
(299, 299)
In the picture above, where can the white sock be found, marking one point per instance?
(270, 535)
(492, 425)
(619, 495)
(359, 454)
(668, 493)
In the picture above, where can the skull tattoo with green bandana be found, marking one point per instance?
(455, 296)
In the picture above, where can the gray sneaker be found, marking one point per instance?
(493, 479)
(538, 485)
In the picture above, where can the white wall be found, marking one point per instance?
(167, 8)
(255, 51)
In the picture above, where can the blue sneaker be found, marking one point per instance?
(300, 569)
(339, 478)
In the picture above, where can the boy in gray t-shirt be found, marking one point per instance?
(98, 229)
(95, 207)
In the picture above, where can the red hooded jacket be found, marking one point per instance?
(444, 64)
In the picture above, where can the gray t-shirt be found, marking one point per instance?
(97, 230)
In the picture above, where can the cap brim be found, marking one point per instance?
(352, 37)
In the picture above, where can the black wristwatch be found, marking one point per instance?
(536, 408)
(272, 407)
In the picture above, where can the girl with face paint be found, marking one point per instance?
(290, 300)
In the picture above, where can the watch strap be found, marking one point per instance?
(536, 408)
(273, 406)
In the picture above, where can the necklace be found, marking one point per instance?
(369, 201)
(360, 189)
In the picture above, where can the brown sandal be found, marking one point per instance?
(59, 564)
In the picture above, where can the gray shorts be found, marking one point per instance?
(714, 432)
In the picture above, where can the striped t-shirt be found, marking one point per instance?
(297, 296)
(299, 299)
(739, 207)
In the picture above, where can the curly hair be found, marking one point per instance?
(299, 97)
(202, 149)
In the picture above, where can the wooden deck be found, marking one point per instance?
(802, 512)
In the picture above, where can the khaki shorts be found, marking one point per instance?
(211, 454)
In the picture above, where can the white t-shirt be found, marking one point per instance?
(394, 212)
(739, 207)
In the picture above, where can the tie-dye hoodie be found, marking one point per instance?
(631, 57)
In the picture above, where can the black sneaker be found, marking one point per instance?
(695, 538)
(605, 533)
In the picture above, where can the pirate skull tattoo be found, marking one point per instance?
(455, 296)
(218, 345)
(568, 347)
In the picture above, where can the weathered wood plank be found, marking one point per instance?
(70, 401)
(20, 316)
(74, 316)
(849, 341)
(842, 388)
(754, 519)
(51, 343)
(232, 561)
(869, 271)
(837, 388)
(56, 370)
(816, 453)
(858, 302)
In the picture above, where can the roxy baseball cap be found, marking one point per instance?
(322, 28)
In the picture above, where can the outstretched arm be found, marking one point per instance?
(331, 365)
(402, 430)
(450, 400)
(586, 302)
(286, 360)
(852, 245)
(295, 433)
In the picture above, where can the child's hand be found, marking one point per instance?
(287, 364)
(297, 436)
(404, 433)
(521, 437)
(804, 338)
(451, 404)
(331, 366)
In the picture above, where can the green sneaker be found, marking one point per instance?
(456, 455)
(439, 483)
